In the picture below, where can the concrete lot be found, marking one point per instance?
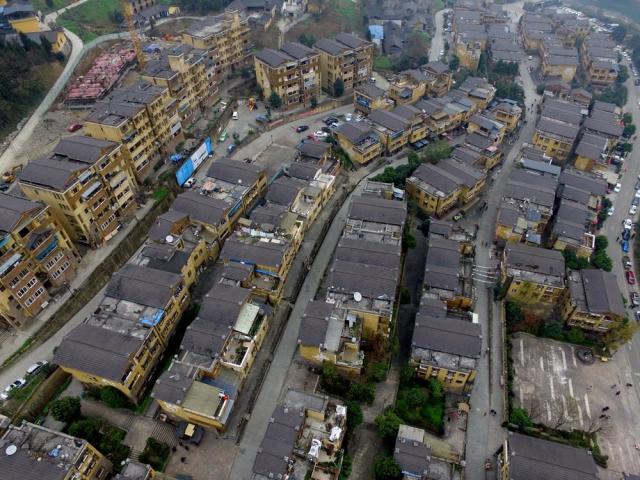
(211, 459)
(561, 392)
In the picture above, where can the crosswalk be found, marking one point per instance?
(486, 275)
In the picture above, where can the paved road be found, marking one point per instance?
(437, 42)
(51, 17)
(484, 432)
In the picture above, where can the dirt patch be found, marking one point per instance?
(338, 16)
(174, 28)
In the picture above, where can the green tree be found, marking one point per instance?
(275, 101)
(601, 242)
(314, 102)
(437, 151)
(540, 89)
(482, 64)
(572, 261)
(408, 239)
(66, 409)
(386, 468)
(600, 259)
(245, 73)
(629, 130)
(388, 423)
(363, 393)
(436, 387)
(377, 372)
(354, 414)
(623, 74)
(113, 398)
(338, 87)
(454, 63)
(520, 417)
(307, 39)
(86, 428)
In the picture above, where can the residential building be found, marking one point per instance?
(583, 187)
(508, 113)
(88, 185)
(143, 118)
(412, 453)
(604, 122)
(136, 7)
(591, 153)
(36, 257)
(479, 91)
(413, 116)
(360, 141)
(439, 188)
(135, 470)
(447, 274)
(315, 152)
(292, 72)
(487, 127)
(558, 61)
(523, 454)
(21, 16)
(392, 129)
(448, 113)
(534, 28)
(33, 452)
(303, 439)
(347, 58)
(478, 151)
(439, 78)
(580, 96)
(121, 342)
(189, 75)
(599, 59)
(368, 97)
(592, 301)
(573, 228)
(533, 276)
(556, 131)
(469, 35)
(216, 354)
(445, 348)
(226, 37)
(526, 207)
(408, 87)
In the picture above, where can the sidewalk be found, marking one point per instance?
(11, 341)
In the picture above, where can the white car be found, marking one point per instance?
(235, 115)
(610, 211)
(348, 117)
(190, 182)
(19, 383)
(321, 134)
(633, 210)
(36, 367)
(628, 223)
(617, 188)
(637, 194)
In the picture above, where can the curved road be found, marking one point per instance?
(437, 42)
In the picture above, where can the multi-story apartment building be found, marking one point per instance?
(591, 153)
(360, 141)
(533, 276)
(508, 113)
(408, 87)
(292, 72)
(120, 343)
(558, 61)
(135, 7)
(445, 348)
(216, 354)
(557, 129)
(599, 59)
(593, 300)
(447, 274)
(347, 58)
(439, 78)
(440, 188)
(226, 37)
(487, 127)
(573, 228)
(412, 452)
(397, 128)
(189, 75)
(32, 452)
(88, 184)
(368, 97)
(36, 256)
(522, 454)
(143, 118)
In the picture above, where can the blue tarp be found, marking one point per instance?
(377, 32)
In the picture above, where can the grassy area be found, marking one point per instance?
(91, 19)
(338, 16)
(382, 62)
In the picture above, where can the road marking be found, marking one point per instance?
(637, 373)
(564, 358)
(541, 364)
(522, 352)
(571, 389)
(586, 405)
(580, 415)
(521, 396)
(548, 409)
(573, 357)
(564, 408)
(553, 393)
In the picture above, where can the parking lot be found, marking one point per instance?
(560, 391)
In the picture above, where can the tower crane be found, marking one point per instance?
(131, 26)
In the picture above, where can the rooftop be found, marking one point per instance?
(596, 291)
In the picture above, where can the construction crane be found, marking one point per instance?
(135, 39)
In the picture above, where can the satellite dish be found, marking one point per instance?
(169, 238)
(357, 296)
(11, 449)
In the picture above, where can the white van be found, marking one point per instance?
(235, 115)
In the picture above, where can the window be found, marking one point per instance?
(49, 265)
(60, 270)
(18, 277)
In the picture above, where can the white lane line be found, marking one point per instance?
(564, 358)
(541, 364)
(548, 409)
(586, 405)
(580, 415)
(521, 352)
(553, 393)
(571, 389)
(637, 373)
(573, 357)
(564, 408)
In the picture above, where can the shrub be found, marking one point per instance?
(155, 453)
(386, 468)
(363, 393)
(66, 409)
(354, 414)
(377, 371)
(113, 398)
(345, 471)
(388, 423)
(520, 417)
(86, 428)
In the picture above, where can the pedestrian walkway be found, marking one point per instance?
(12, 340)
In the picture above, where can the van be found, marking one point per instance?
(235, 115)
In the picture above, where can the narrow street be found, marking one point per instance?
(437, 42)
(484, 431)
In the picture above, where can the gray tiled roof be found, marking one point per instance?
(586, 181)
(368, 252)
(235, 172)
(388, 120)
(379, 210)
(534, 259)
(142, 285)
(261, 253)
(201, 208)
(592, 146)
(302, 171)
(537, 459)
(313, 148)
(448, 335)
(12, 208)
(315, 320)
(284, 190)
(371, 281)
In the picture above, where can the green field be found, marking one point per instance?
(43, 5)
(91, 19)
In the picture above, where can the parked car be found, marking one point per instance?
(222, 137)
(635, 299)
(635, 201)
(326, 130)
(625, 246)
(321, 134)
(19, 383)
(631, 277)
(628, 223)
(190, 432)
(74, 127)
(329, 120)
(348, 117)
(235, 115)
(191, 181)
(611, 210)
(638, 315)
(37, 367)
(626, 261)
(262, 118)
(636, 81)
(4, 186)
(633, 209)
(617, 188)
(231, 148)
(302, 128)
(626, 234)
